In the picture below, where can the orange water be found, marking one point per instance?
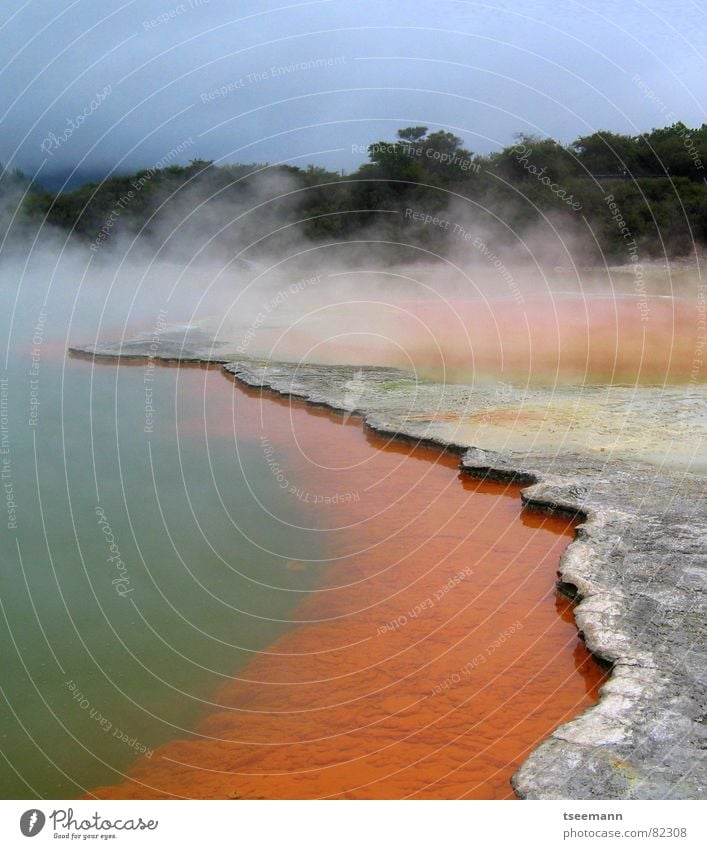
(435, 653)
(541, 340)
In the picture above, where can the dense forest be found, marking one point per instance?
(622, 193)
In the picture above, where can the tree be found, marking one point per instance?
(412, 134)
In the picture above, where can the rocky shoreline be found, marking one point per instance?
(636, 567)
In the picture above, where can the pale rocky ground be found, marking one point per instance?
(632, 462)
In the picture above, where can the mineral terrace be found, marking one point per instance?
(630, 462)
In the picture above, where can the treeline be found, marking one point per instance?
(612, 189)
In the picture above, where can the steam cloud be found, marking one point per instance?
(495, 304)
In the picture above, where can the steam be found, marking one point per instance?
(492, 304)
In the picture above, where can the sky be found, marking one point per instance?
(89, 88)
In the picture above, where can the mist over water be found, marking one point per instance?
(495, 304)
(217, 555)
(186, 471)
(209, 590)
(459, 326)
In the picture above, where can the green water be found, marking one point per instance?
(102, 659)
